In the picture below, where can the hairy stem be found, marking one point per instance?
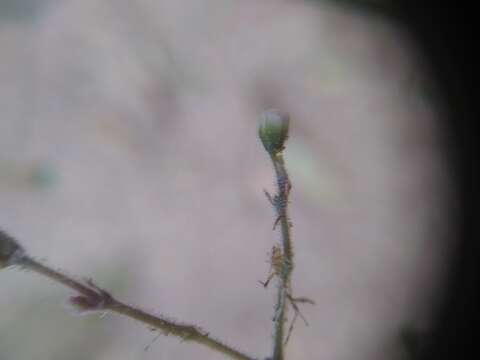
(281, 207)
(96, 299)
(28, 263)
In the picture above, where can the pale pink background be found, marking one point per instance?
(143, 116)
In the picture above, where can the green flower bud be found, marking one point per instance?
(9, 250)
(273, 130)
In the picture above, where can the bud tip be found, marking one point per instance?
(273, 130)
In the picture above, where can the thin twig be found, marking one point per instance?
(93, 298)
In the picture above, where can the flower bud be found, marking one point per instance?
(273, 130)
(9, 250)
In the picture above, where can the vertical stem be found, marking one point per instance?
(281, 206)
(283, 183)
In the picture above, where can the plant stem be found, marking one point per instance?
(28, 263)
(281, 207)
(96, 299)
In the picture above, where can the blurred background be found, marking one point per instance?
(129, 153)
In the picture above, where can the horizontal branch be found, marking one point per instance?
(93, 298)
(90, 297)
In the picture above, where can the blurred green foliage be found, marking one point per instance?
(21, 9)
(413, 342)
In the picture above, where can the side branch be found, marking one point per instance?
(92, 298)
